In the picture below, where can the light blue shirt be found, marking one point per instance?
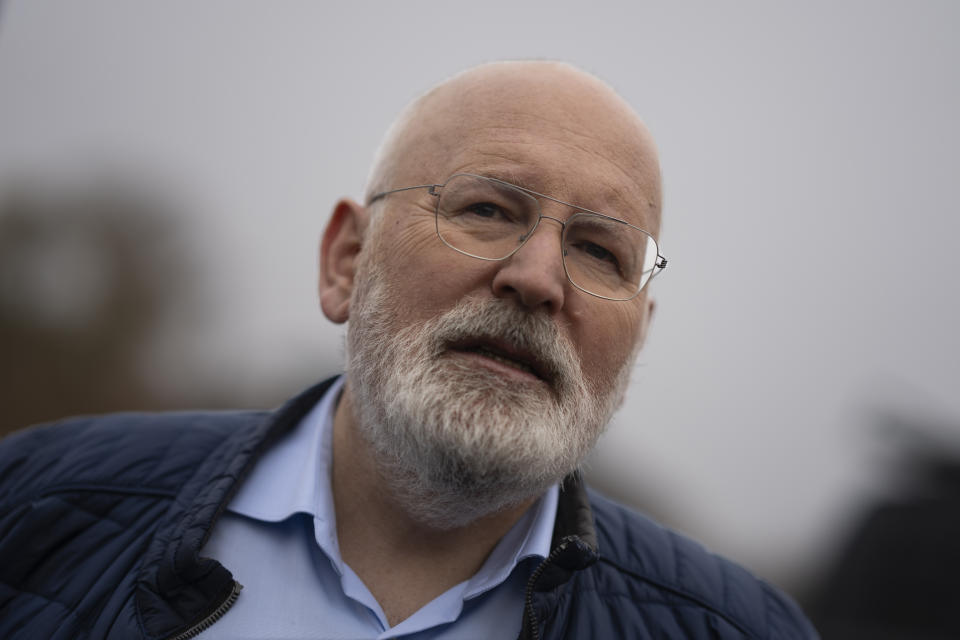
(279, 539)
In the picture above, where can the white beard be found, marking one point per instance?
(454, 441)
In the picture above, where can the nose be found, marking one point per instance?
(534, 276)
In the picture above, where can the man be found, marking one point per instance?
(495, 288)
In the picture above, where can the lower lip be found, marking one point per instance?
(495, 365)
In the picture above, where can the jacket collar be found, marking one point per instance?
(574, 545)
(176, 587)
(574, 549)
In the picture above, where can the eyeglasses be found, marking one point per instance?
(490, 219)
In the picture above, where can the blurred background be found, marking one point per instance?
(166, 170)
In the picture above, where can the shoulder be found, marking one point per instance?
(677, 579)
(137, 451)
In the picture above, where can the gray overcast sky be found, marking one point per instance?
(810, 161)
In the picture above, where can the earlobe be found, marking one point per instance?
(339, 248)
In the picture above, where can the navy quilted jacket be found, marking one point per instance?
(101, 521)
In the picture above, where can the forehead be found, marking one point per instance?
(566, 139)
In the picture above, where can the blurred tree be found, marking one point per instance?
(85, 276)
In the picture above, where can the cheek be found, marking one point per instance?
(607, 341)
(427, 277)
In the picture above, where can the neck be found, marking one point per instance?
(405, 563)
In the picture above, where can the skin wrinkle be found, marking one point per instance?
(573, 132)
(621, 212)
(555, 185)
(612, 140)
(519, 141)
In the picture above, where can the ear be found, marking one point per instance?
(339, 248)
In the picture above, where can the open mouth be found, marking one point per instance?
(506, 355)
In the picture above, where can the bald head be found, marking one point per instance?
(512, 108)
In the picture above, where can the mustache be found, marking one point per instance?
(531, 337)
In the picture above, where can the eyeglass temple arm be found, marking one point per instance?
(383, 194)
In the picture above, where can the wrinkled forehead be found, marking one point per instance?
(566, 135)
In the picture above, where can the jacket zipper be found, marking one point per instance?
(207, 622)
(532, 630)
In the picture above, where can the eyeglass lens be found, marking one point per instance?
(489, 219)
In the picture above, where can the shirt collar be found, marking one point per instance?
(293, 477)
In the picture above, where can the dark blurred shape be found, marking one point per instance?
(85, 276)
(899, 573)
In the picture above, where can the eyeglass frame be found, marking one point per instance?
(658, 266)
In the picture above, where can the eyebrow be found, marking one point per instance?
(619, 211)
(518, 180)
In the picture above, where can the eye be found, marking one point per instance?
(487, 210)
(597, 252)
